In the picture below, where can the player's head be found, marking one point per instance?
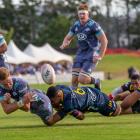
(135, 80)
(5, 78)
(83, 12)
(55, 95)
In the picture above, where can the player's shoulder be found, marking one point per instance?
(77, 23)
(127, 84)
(19, 81)
(91, 22)
(63, 87)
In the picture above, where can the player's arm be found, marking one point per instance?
(119, 93)
(67, 40)
(77, 114)
(9, 105)
(55, 118)
(130, 100)
(103, 40)
(26, 102)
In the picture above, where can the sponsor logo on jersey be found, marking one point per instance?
(81, 36)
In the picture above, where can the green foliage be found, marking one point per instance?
(55, 31)
(9, 35)
(35, 21)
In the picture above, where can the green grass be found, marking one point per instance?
(25, 126)
(118, 64)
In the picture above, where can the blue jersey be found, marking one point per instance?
(2, 40)
(87, 42)
(2, 61)
(19, 88)
(86, 34)
(41, 104)
(85, 99)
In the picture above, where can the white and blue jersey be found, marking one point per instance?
(40, 106)
(87, 42)
(86, 99)
(86, 34)
(2, 41)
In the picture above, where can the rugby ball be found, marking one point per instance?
(48, 74)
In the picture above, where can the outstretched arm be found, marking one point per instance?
(9, 105)
(54, 119)
(66, 42)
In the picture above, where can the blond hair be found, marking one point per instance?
(4, 73)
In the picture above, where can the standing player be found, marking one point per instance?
(120, 93)
(15, 94)
(78, 101)
(92, 43)
(3, 48)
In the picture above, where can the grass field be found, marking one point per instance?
(118, 65)
(25, 126)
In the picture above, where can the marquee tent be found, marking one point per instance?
(15, 54)
(46, 53)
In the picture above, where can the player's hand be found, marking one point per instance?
(64, 45)
(80, 116)
(96, 58)
(27, 98)
(7, 97)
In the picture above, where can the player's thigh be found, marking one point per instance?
(85, 73)
(42, 109)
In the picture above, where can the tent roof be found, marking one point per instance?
(46, 53)
(20, 57)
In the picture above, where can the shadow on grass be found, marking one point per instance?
(66, 125)
(22, 126)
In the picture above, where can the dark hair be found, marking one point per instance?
(135, 77)
(52, 92)
(83, 6)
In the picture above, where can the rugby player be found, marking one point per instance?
(120, 93)
(78, 101)
(91, 43)
(15, 94)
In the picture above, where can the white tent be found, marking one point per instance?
(57, 56)
(46, 53)
(9, 59)
(16, 54)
